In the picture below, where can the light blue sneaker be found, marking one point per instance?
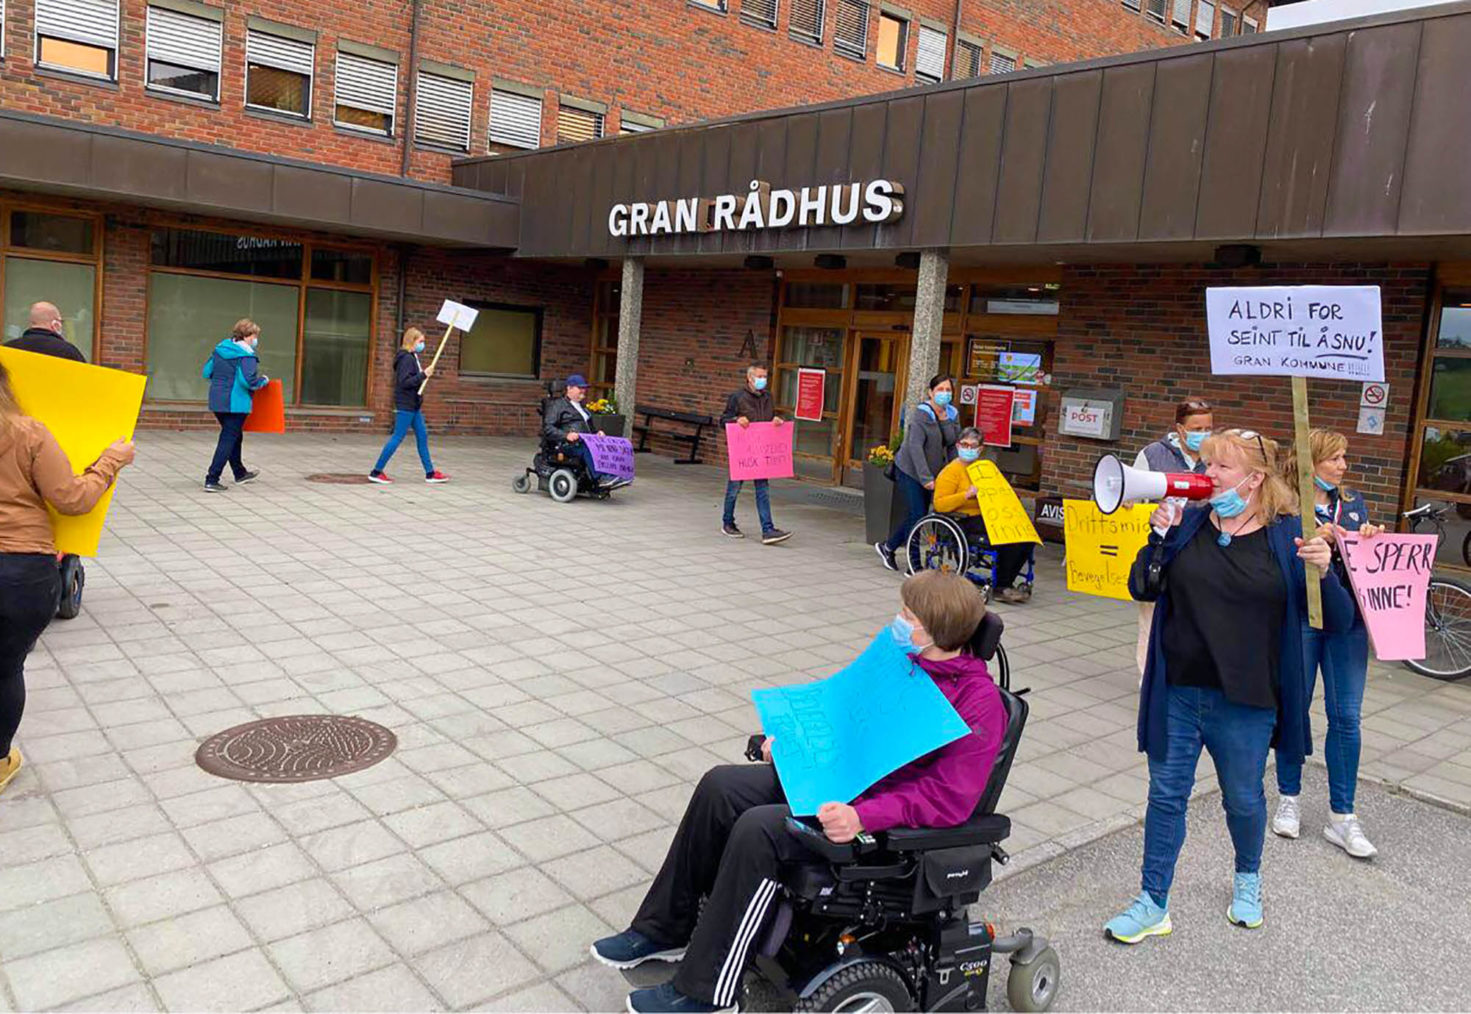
(1246, 901)
(1143, 918)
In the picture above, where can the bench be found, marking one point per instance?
(700, 422)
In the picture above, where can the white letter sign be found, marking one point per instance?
(1328, 331)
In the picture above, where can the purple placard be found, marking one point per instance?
(610, 455)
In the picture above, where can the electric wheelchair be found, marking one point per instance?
(880, 923)
(938, 542)
(562, 474)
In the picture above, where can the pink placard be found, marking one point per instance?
(760, 451)
(1390, 575)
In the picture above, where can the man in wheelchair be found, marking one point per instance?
(564, 420)
(738, 848)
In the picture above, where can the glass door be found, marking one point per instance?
(1442, 462)
(878, 386)
(816, 449)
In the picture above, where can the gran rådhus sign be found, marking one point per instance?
(873, 203)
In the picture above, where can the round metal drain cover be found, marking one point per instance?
(295, 748)
(339, 478)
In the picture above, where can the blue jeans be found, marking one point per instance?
(1238, 738)
(763, 502)
(232, 428)
(916, 506)
(1344, 657)
(402, 420)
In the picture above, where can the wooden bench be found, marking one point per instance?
(700, 422)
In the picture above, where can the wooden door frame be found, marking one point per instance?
(844, 459)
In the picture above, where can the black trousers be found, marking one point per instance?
(232, 429)
(728, 849)
(1011, 559)
(29, 586)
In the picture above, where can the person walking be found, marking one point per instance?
(408, 409)
(233, 372)
(1343, 656)
(1176, 451)
(34, 472)
(46, 335)
(930, 434)
(751, 403)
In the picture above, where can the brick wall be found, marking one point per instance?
(1142, 328)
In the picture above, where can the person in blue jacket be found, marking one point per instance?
(1225, 667)
(1343, 656)
(233, 372)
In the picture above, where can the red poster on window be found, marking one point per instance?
(993, 414)
(811, 391)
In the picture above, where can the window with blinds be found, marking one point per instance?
(1001, 63)
(183, 53)
(1248, 26)
(929, 63)
(967, 59)
(759, 13)
(1228, 22)
(515, 120)
(278, 73)
(1133, 5)
(851, 35)
(1205, 18)
(1156, 9)
(575, 125)
(366, 93)
(78, 36)
(631, 127)
(805, 21)
(442, 111)
(1180, 15)
(714, 5)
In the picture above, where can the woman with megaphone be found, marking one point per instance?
(1225, 666)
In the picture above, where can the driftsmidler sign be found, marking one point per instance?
(876, 202)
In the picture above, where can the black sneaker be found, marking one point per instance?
(886, 554)
(774, 536)
(732, 531)
(631, 948)
(667, 999)
(249, 476)
(215, 487)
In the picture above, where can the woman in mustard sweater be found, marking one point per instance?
(955, 495)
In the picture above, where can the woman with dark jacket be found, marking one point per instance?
(1225, 668)
(930, 434)
(408, 409)
(233, 372)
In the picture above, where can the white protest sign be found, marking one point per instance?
(452, 314)
(1329, 331)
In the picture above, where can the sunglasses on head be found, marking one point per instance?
(1253, 435)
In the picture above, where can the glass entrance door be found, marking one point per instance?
(878, 387)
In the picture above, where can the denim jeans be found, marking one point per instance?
(916, 506)
(1238, 738)
(402, 420)
(763, 502)
(1344, 657)
(232, 429)
(29, 585)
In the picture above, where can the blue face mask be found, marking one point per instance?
(759, 383)
(1230, 503)
(967, 453)
(419, 347)
(1326, 487)
(942, 398)
(902, 631)
(1194, 440)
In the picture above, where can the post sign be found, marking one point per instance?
(993, 414)
(811, 392)
(1083, 418)
(1333, 332)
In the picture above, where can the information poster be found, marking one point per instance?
(811, 391)
(982, 356)
(994, 407)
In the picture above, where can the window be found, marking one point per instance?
(929, 64)
(278, 73)
(1205, 19)
(574, 124)
(759, 13)
(442, 110)
(805, 22)
(367, 93)
(631, 122)
(1248, 26)
(505, 342)
(893, 41)
(515, 120)
(1001, 63)
(1156, 9)
(78, 36)
(1133, 5)
(67, 276)
(967, 59)
(1180, 15)
(1228, 22)
(714, 5)
(851, 36)
(183, 52)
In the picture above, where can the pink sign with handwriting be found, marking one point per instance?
(1390, 575)
(760, 451)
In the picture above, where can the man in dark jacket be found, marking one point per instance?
(46, 335)
(564, 423)
(751, 403)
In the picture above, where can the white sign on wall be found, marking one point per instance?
(864, 203)
(1333, 332)
(1085, 418)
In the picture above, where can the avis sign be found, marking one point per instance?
(1328, 331)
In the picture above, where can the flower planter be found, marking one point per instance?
(882, 507)
(610, 424)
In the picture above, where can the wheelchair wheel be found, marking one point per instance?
(562, 485)
(73, 579)
(1032, 987)
(862, 986)
(522, 483)
(937, 543)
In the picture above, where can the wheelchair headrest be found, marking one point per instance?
(1016, 721)
(987, 636)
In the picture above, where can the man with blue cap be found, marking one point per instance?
(566, 420)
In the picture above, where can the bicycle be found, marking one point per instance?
(1447, 610)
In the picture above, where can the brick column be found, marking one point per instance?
(929, 318)
(630, 308)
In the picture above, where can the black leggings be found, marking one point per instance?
(1011, 559)
(29, 586)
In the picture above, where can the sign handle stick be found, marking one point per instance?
(437, 353)
(1305, 492)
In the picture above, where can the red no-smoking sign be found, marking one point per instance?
(1375, 395)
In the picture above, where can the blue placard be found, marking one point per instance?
(836, 737)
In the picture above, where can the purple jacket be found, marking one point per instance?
(941, 788)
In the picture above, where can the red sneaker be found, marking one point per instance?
(380, 478)
(436, 476)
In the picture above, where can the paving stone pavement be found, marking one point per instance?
(558, 676)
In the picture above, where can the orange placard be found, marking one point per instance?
(267, 410)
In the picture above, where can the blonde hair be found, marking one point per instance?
(244, 328)
(1255, 453)
(412, 337)
(949, 606)
(1323, 444)
(10, 412)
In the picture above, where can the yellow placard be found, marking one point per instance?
(1006, 518)
(86, 408)
(1101, 548)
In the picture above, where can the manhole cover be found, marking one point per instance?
(339, 478)
(295, 748)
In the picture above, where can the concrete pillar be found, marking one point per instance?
(630, 309)
(929, 319)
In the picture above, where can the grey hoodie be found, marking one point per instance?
(929, 443)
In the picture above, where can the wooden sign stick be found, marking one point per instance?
(437, 353)
(1305, 492)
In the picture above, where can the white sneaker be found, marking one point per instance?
(1288, 820)
(1346, 833)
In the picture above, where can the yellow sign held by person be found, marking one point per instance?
(1102, 547)
(86, 408)
(1006, 518)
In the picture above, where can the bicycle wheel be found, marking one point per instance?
(1466, 549)
(1447, 630)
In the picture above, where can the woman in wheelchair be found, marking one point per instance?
(733, 838)
(564, 423)
(956, 495)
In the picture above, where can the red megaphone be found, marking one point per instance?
(1116, 484)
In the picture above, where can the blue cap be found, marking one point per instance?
(577, 380)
